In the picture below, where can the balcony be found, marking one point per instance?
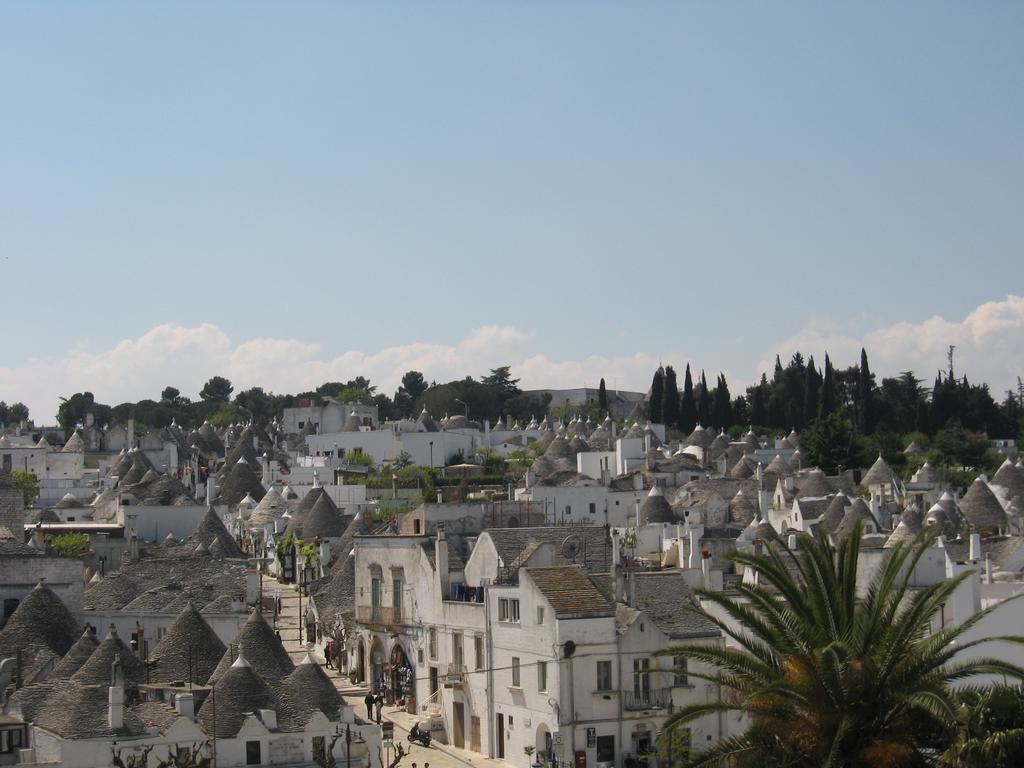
(454, 676)
(382, 616)
(659, 698)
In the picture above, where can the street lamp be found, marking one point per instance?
(431, 444)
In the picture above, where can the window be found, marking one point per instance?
(606, 749)
(604, 675)
(252, 753)
(641, 676)
(376, 579)
(457, 649)
(568, 510)
(542, 675)
(432, 642)
(508, 610)
(319, 750)
(540, 614)
(680, 670)
(515, 672)
(396, 598)
(478, 651)
(593, 508)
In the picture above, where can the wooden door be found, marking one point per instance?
(499, 738)
(474, 733)
(458, 719)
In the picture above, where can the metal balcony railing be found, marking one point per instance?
(657, 698)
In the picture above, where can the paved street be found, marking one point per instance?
(437, 755)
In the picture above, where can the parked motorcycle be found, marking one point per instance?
(419, 736)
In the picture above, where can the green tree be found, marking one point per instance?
(990, 732)
(721, 407)
(602, 398)
(827, 395)
(670, 400)
(28, 483)
(170, 395)
(866, 396)
(657, 395)
(256, 403)
(69, 544)
(830, 669)
(829, 443)
(18, 412)
(687, 405)
(217, 390)
(74, 409)
(703, 402)
(812, 392)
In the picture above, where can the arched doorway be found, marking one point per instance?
(360, 665)
(377, 660)
(403, 682)
(543, 754)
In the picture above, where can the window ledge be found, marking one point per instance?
(609, 692)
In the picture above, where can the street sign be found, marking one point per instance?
(387, 730)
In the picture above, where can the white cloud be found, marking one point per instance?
(185, 357)
(989, 345)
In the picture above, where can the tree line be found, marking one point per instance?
(494, 395)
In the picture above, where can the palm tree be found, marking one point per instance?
(829, 674)
(990, 731)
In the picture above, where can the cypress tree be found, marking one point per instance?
(670, 406)
(722, 411)
(827, 397)
(812, 392)
(866, 395)
(657, 393)
(759, 403)
(602, 398)
(688, 405)
(704, 402)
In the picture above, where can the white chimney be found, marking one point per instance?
(705, 569)
(791, 542)
(185, 705)
(441, 558)
(975, 547)
(694, 559)
(440, 496)
(115, 707)
(988, 569)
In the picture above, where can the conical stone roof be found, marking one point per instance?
(910, 525)
(308, 689)
(814, 485)
(858, 510)
(879, 474)
(1011, 477)
(189, 647)
(324, 520)
(262, 649)
(834, 513)
(210, 529)
(97, 669)
(656, 509)
(778, 466)
(981, 508)
(742, 469)
(741, 509)
(271, 507)
(41, 619)
(75, 444)
(239, 692)
(76, 657)
(238, 483)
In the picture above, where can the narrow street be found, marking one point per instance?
(436, 756)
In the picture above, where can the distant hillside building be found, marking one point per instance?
(620, 402)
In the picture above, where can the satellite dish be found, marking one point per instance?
(571, 547)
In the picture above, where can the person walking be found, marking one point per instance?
(379, 702)
(369, 702)
(328, 655)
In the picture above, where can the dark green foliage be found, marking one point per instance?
(866, 395)
(827, 670)
(990, 729)
(829, 443)
(602, 398)
(657, 394)
(217, 389)
(827, 396)
(721, 407)
(687, 405)
(670, 405)
(28, 483)
(703, 402)
(812, 392)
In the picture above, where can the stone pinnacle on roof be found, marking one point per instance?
(97, 670)
(656, 508)
(239, 692)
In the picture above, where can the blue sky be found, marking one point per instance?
(619, 182)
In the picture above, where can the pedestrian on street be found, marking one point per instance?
(369, 702)
(328, 653)
(379, 702)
